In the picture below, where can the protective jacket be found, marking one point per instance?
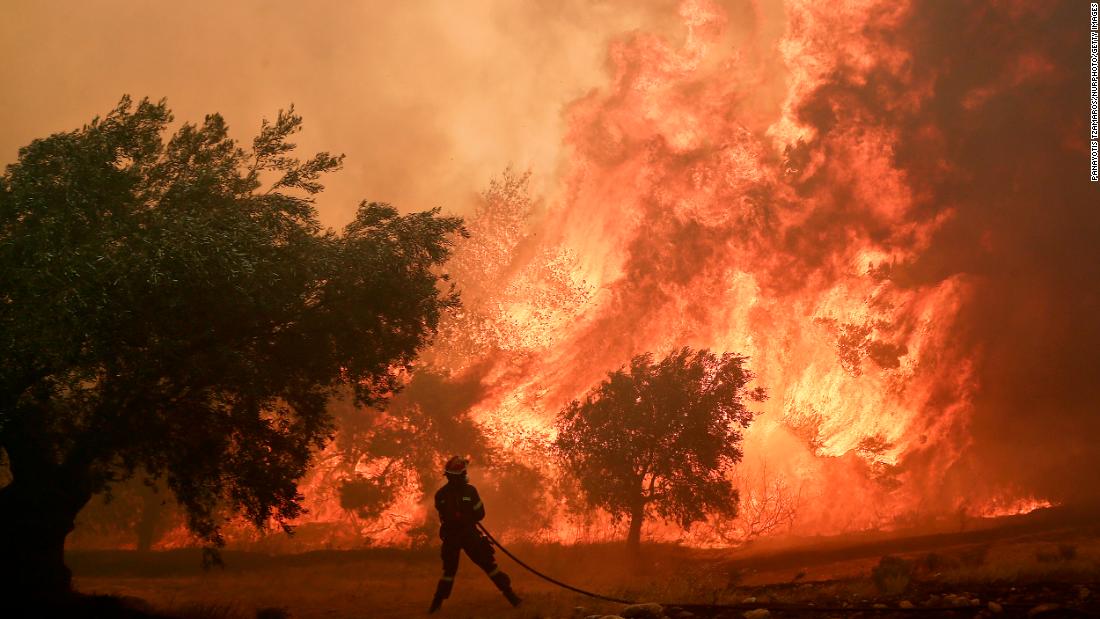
(459, 507)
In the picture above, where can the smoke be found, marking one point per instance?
(1001, 142)
(988, 140)
(427, 99)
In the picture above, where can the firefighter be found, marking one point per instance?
(460, 509)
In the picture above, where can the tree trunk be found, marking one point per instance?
(151, 508)
(36, 514)
(637, 515)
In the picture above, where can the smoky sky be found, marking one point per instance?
(428, 100)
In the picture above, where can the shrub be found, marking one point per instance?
(1064, 552)
(974, 557)
(892, 575)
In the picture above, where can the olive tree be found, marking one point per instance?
(171, 307)
(659, 438)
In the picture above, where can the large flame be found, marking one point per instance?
(777, 192)
(693, 213)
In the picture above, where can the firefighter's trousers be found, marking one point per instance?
(480, 551)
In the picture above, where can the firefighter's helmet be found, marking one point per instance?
(455, 466)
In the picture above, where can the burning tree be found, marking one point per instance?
(660, 438)
(175, 310)
(420, 427)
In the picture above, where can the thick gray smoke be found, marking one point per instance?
(1003, 142)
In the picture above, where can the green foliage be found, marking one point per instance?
(175, 307)
(659, 438)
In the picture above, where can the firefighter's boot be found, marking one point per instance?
(442, 592)
(437, 603)
(501, 580)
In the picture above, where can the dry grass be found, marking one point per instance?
(1030, 561)
(391, 585)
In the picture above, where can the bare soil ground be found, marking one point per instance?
(1041, 565)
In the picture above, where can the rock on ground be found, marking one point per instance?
(953, 599)
(649, 610)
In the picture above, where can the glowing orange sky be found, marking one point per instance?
(427, 99)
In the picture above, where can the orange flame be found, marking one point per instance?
(696, 210)
(731, 191)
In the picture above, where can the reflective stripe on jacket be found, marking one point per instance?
(459, 506)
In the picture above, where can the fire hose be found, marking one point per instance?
(793, 608)
(550, 579)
